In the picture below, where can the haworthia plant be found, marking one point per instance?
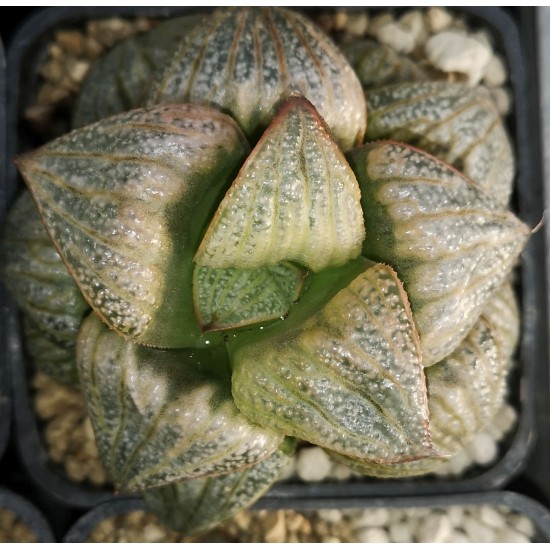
(231, 297)
(380, 65)
(198, 505)
(459, 125)
(465, 390)
(246, 61)
(451, 243)
(36, 275)
(125, 201)
(162, 416)
(349, 379)
(295, 198)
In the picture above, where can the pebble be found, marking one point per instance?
(434, 528)
(372, 535)
(395, 36)
(478, 531)
(13, 530)
(502, 99)
(379, 22)
(400, 532)
(372, 517)
(357, 24)
(331, 515)
(491, 517)
(522, 524)
(495, 72)
(506, 534)
(313, 464)
(451, 51)
(438, 19)
(482, 448)
(413, 22)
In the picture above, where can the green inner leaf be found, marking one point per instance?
(349, 379)
(295, 199)
(231, 297)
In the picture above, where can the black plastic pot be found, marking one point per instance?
(25, 55)
(538, 514)
(28, 514)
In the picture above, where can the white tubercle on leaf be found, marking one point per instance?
(295, 199)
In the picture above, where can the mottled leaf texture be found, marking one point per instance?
(53, 357)
(118, 80)
(232, 297)
(448, 240)
(295, 199)
(350, 379)
(247, 60)
(37, 277)
(457, 124)
(162, 416)
(465, 391)
(125, 201)
(380, 65)
(199, 505)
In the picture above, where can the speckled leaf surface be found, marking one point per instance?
(226, 298)
(465, 390)
(199, 505)
(247, 60)
(161, 416)
(125, 201)
(37, 277)
(380, 65)
(53, 357)
(350, 379)
(457, 124)
(448, 240)
(295, 199)
(117, 80)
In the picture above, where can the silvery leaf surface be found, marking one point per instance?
(451, 244)
(295, 199)
(117, 80)
(232, 297)
(465, 391)
(350, 379)
(162, 416)
(199, 505)
(247, 60)
(125, 201)
(380, 65)
(457, 124)
(37, 277)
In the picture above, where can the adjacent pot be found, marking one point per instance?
(25, 56)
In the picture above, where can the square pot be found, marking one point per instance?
(27, 53)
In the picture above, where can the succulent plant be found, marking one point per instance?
(257, 273)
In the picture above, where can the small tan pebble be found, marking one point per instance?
(143, 24)
(97, 475)
(395, 36)
(77, 70)
(491, 517)
(340, 20)
(39, 114)
(331, 540)
(330, 515)
(509, 535)
(294, 521)
(436, 527)
(438, 19)
(400, 532)
(372, 517)
(7, 518)
(477, 531)
(340, 472)
(483, 37)
(372, 535)
(51, 94)
(153, 533)
(70, 41)
(457, 536)
(495, 72)
(13, 530)
(503, 101)
(522, 524)
(135, 518)
(93, 48)
(413, 22)
(75, 469)
(455, 515)
(357, 24)
(379, 22)
(242, 520)
(55, 51)
(275, 527)
(53, 70)
(313, 464)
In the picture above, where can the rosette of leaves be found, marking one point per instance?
(249, 290)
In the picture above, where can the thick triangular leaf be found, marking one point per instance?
(118, 80)
(465, 390)
(199, 505)
(380, 65)
(247, 60)
(350, 379)
(448, 240)
(457, 124)
(126, 200)
(57, 359)
(295, 198)
(161, 416)
(37, 277)
(231, 297)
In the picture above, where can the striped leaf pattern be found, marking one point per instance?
(465, 391)
(247, 60)
(448, 240)
(349, 379)
(125, 201)
(457, 124)
(162, 416)
(295, 199)
(118, 80)
(37, 277)
(231, 297)
(380, 65)
(199, 505)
